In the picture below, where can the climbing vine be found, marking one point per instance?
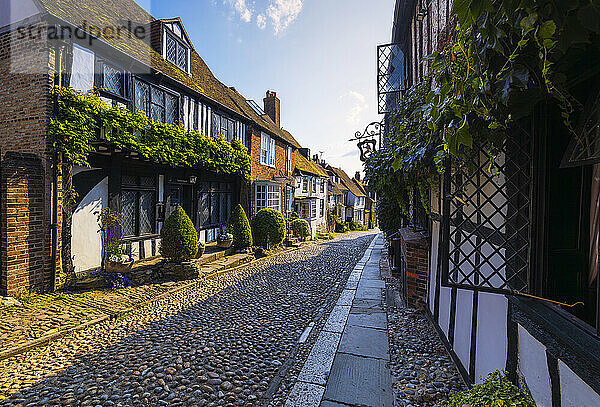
(83, 121)
(495, 61)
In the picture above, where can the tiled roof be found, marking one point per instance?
(263, 121)
(309, 166)
(116, 13)
(348, 183)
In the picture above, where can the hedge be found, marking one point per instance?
(300, 228)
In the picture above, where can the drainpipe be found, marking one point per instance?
(54, 216)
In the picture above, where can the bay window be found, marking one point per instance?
(268, 196)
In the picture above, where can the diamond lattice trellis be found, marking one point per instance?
(486, 230)
(390, 76)
(585, 146)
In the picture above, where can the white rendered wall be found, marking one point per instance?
(492, 342)
(86, 241)
(82, 77)
(462, 326)
(574, 391)
(534, 368)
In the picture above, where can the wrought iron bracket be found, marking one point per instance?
(369, 138)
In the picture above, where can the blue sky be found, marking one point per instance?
(318, 55)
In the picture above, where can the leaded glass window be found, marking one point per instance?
(177, 52)
(142, 98)
(213, 204)
(129, 212)
(138, 196)
(171, 49)
(170, 109)
(160, 106)
(113, 80)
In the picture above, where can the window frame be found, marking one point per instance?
(150, 101)
(267, 198)
(288, 162)
(179, 44)
(267, 150)
(138, 189)
(272, 148)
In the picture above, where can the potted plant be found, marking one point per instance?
(224, 239)
(117, 258)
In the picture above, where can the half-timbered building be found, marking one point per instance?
(505, 249)
(133, 61)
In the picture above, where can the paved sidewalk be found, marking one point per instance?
(348, 365)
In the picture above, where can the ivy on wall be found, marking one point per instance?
(496, 60)
(82, 121)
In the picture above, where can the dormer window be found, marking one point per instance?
(176, 46)
(177, 52)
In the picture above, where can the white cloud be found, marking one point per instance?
(261, 21)
(241, 8)
(356, 104)
(283, 12)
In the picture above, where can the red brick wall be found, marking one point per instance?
(265, 173)
(26, 184)
(415, 249)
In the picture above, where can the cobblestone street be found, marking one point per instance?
(227, 342)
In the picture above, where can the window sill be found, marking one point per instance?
(133, 239)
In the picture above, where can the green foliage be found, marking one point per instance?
(83, 120)
(495, 61)
(300, 228)
(268, 228)
(354, 226)
(179, 239)
(239, 227)
(341, 227)
(495, 391)
(389, 214)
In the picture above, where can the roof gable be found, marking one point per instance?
(305, 165)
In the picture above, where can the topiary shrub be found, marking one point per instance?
(239, 227)
(268, 228)
(341, 227)
(179, 239)
(495, 390)
(300, 228)
(354, 226)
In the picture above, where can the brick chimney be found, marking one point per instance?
(273, 107)
(357, 176)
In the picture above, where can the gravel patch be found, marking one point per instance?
(425, 374)
(222, 342)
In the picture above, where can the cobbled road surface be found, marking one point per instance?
(226, 342)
